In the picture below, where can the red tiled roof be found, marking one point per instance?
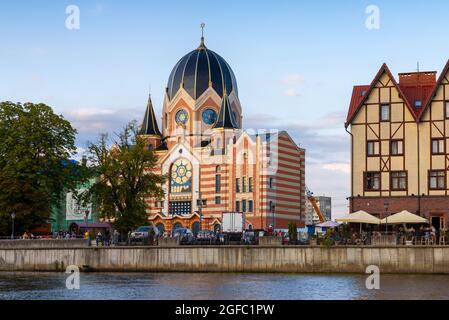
(358, 92)
(417, 93)
(414, 86)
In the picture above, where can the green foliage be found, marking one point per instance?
(124, 178)
(35, 148)
(292, 231)
(328, 238)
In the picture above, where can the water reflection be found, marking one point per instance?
(221, 286)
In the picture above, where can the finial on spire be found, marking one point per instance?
(202, 26)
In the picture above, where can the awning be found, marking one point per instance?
(403, 217)
(359, 217)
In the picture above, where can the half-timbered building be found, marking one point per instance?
(399, 154)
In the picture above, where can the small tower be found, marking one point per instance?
(225, 126)
(149, 130)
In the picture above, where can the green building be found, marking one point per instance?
(69, 212)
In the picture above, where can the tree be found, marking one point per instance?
(35, 147)
(293, 232)
(125, 178)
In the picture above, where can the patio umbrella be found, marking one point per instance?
(404, 217)
(359, 217)
(328, 224)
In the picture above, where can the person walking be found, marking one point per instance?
(99, 239)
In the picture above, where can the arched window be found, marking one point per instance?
(177, 225)
(196, 228)
(218, 169)
(181, 176)
(217, 182)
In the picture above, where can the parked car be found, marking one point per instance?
(206, 237)
(185, 235)
(142, 233)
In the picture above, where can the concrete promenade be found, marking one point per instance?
(274, 259)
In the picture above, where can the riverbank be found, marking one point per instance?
(267, 259)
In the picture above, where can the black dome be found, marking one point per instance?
(196, 69)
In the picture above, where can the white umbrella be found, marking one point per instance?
(404, 217)
(359, 217)
(328, 224)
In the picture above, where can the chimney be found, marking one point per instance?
(418, 78)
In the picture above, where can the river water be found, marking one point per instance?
(226, 286)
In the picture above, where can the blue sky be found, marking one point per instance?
(295, 62)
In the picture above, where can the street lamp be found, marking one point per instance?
(200, 204)
(13, 216)
(86, 217)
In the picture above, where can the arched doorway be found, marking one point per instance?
(217, 228)
(177, 226)
(160, 227)
(196, 228)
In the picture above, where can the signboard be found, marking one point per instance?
(75, 211)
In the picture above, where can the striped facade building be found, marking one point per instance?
(212, 165)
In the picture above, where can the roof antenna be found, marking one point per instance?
(417, 64)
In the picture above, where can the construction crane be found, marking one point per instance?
(314, 203)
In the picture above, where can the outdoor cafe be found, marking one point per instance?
(402, 228)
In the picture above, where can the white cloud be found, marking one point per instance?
(91, 122)
(291, 92)
(339, 167)
(292, 82)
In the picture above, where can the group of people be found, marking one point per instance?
(64, 235)
(28, 236)
(105, 240)
(429, 233)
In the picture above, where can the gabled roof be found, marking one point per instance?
(226, 119)
(149, 124)
(358, 93)
(435, 89)
(410, 91)
(384, 68)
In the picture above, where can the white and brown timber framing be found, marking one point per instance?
(418, 114)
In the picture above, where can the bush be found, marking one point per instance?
(292, 232)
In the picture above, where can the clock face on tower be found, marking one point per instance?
(181, 117)
(181, 176)
(209, 116)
